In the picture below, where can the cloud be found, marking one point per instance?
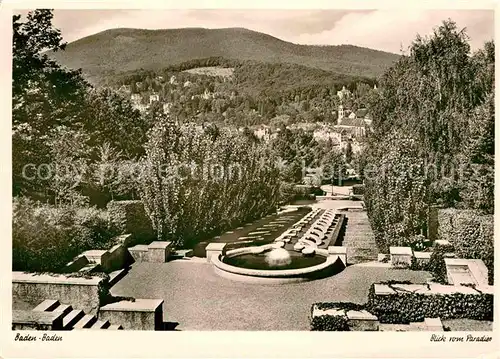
(392, 30)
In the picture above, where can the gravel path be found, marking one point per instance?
(198, 299)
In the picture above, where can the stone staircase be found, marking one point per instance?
(359, 238)
(74, 318)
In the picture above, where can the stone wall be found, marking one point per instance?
(86, 293)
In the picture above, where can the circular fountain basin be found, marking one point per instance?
(245, 264)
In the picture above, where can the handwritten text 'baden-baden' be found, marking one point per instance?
(33, 338)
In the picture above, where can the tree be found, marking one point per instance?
(44, 95)
(69, 171)
(110, 118)
(396, 194)
(197, 185)
(434, 110)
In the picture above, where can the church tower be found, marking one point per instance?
(341, 114)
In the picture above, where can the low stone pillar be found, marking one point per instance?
(99, 256)
(422, 258)
(339, 251)
(401, 256)
(215, 249)
(158, 251)
(139, 252)
(141, 314)
(433, 324)
(362, 320)
(442, 243)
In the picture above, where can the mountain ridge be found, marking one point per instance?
(125, 49)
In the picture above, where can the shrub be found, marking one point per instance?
(45, 238)
(330, 323)
(396, 194)
(333, 322)
(130, 217)
(406, 307)
(417, 265)
(437, 265)
(358, 189)
(471, 235)
(338, 305)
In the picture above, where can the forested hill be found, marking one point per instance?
(111, 51)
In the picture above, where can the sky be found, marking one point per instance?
(385, 29)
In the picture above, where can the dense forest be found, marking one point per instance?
(256, 93)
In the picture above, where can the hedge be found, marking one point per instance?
(45, 238)
(471, 235)
(358, 189)
(437, 265)
(406, 307)
(129, 217)
(333, 322)
(336, 323)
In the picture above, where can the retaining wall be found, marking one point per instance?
(82, 293)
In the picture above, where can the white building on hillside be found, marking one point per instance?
(166, 108)
(141, 107)
(325, 134)
(153, 98)
(136, 98)
(344, 93)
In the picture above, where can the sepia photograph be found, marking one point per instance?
(253, 170)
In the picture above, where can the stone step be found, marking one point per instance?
(85, 322)
(89, 268)
(364, 250)
(100, 324)
(64, 308)
(360, 241)
(360, 259)
(115, 327)
(116, 275)
(47, 305)
(361, 248)
(354, 246)
(182, 253)
(36, 320)
(72, 318)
